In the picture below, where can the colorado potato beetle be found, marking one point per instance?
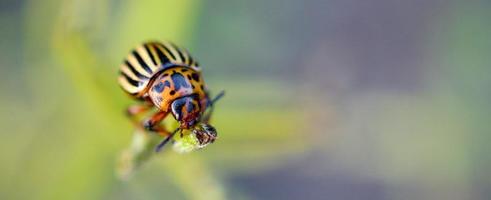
(165, 76)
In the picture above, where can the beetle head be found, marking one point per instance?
(186, 110)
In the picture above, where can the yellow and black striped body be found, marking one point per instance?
(167, 76)
(147, 60)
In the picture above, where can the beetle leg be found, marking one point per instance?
(166, 140)
(134, 110)
(157, 128)
(153, 123)
(160, 130)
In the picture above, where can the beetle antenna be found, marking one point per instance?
(167, 139)
(207, 117)
(217, 97)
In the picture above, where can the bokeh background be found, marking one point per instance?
(326, 99)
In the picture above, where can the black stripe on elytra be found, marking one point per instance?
(168, 51)
(179, 81)
(179, 51)
(130, 80)
(142, 62)
(150, 54)
(136, 73)
(163, 59)
(191, 60)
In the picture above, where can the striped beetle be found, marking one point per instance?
(162, 75)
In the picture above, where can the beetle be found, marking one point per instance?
(165, 76)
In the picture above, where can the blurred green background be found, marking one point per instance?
(326, 99)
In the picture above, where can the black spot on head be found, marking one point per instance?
(184, 70)
(179, 81)
(165, 75)
(195, 76)
(172, 92)
(159, 87)
(189, 77)
(202, 87)
(192, 86)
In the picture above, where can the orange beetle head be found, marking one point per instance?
(186, 110)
